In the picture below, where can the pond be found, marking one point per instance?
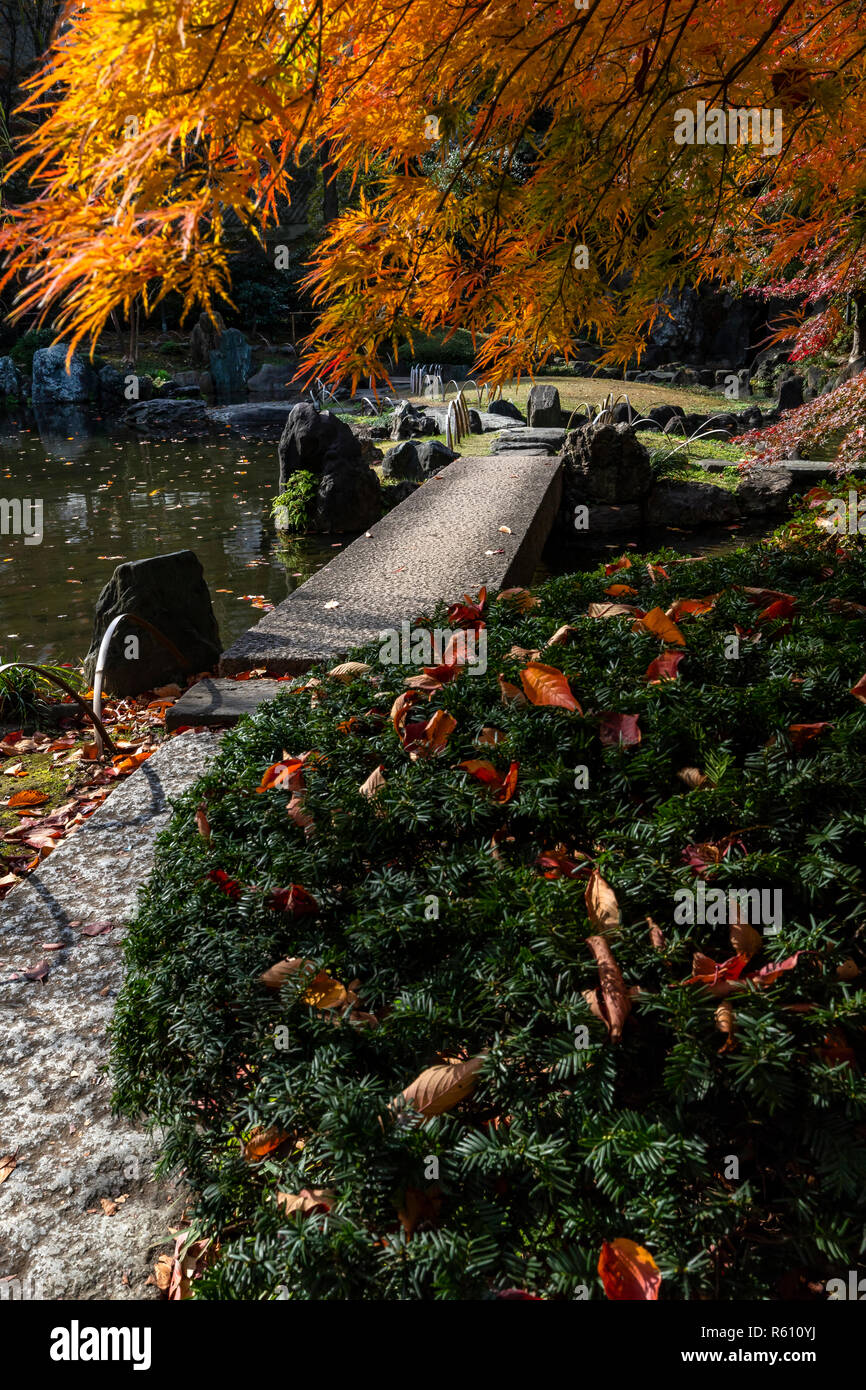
(109, 498)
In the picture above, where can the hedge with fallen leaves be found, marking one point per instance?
(383, 924)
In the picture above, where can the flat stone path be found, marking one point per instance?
(443, 541)
(805, 472)
(56, 1235)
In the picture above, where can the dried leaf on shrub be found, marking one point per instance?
(263, 1142)
(202, 824)
(307, 1201)
(490, 735)
(8, 1162)
(502, 788)
(545, 685)
(690, 607)
(374, 783)
(744, 939)
(601, 904)
(693, 777)
(294, 900)
(276, 975)
(420, 1207)
(556, 863)
(562, 634)
(512, 694)
(726, 1024)
(347, 671)
(324, 992)
(619, 729)
(718, 979)
(436, 733)
(614, 997)
(656, 936)
(296, 813)
(613, 610)
(628, 1271)
(659, 624)
(664, 667)
(521, 600)
(441, 1088)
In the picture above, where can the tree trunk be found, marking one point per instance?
(330, 195)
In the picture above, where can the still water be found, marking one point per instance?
(108, 499)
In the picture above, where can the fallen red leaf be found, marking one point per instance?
(664, 667)
(619, 729)
(628, 1271)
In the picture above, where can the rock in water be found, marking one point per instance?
(9, 384)
(52, 383)
(170, 592)
(543, 407)
(315, 440)
(169, 419)
(349, 499)
(230, 363)
(690, 504)
(350, 495)
(606, 464)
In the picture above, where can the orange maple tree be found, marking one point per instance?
(521, 173)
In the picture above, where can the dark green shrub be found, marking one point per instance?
(29, 342)
(740, 1168)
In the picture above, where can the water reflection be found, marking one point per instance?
(108, 498)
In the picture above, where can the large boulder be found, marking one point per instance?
(662, 415)
(112, 388)
(765, 490)
(204, 338)
(230, 363)
(432, 455)
(9, 384)
(349, 498)
(54, 384)
(690, 504)
(270, 380)
(606, 464)
(543, 408)
(790, 393)
(402, 463)
(170, 592)
(410, 421)
(507, 409)
(171, 419)
(315, 440)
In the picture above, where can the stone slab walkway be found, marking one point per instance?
(56, 1237)
(216, 703)
(441, 542)
(805, 472)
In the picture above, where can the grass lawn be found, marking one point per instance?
(575, 392)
